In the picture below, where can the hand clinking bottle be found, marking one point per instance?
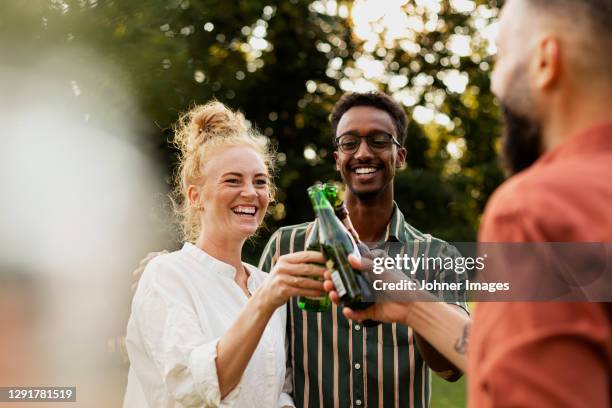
(337, 243)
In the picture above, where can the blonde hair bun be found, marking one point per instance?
(205, 122)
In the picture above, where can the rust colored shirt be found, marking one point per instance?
(548, 354)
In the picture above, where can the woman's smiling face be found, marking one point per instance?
(236, 192)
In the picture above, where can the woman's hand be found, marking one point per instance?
(289, 277)
(293, 275)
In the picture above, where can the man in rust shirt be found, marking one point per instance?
(553, 78)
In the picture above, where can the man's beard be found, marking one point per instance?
(521, 141)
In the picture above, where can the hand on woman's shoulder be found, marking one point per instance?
(165, 272)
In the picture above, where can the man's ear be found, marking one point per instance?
(547, 62)
(401, 157)
(335, 154)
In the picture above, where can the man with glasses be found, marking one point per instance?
(337, 362)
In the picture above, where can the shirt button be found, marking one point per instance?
(358, 402)
(357, 366)
(357, 327)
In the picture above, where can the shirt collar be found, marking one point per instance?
(209, 261)
(592, 140)
(395, 231)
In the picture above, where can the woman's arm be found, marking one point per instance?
(236, 347)
(170, 354)
(238, 344)
(195, 369)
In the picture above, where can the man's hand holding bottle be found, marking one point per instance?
(442, 329)
(384, 310)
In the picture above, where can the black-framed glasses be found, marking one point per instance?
(377, 142)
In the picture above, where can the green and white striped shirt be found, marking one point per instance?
(338, 363)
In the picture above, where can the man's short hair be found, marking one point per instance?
(375, 99)
(598, 12)
(591, 19)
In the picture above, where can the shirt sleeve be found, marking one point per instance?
(452, 275)
(183, 356)
(266, 263)
(285, 397)
(285, 400)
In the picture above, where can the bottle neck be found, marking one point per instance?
(319, 201)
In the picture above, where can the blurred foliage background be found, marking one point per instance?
(285, 64)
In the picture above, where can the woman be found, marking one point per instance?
(207, 329)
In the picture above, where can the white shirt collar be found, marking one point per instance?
(226, 270)
(209, 261)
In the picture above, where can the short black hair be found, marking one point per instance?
(375, 99)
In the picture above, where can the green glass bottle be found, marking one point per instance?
(314, 304)
(331, 192)
(336, 243)
(322, 303)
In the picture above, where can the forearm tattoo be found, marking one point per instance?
(461, 344)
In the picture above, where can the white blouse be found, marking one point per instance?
(185, 301)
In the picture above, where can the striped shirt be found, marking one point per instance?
(337, 362)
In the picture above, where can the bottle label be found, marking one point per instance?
(338, 283)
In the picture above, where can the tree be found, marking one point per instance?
(284, 65)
